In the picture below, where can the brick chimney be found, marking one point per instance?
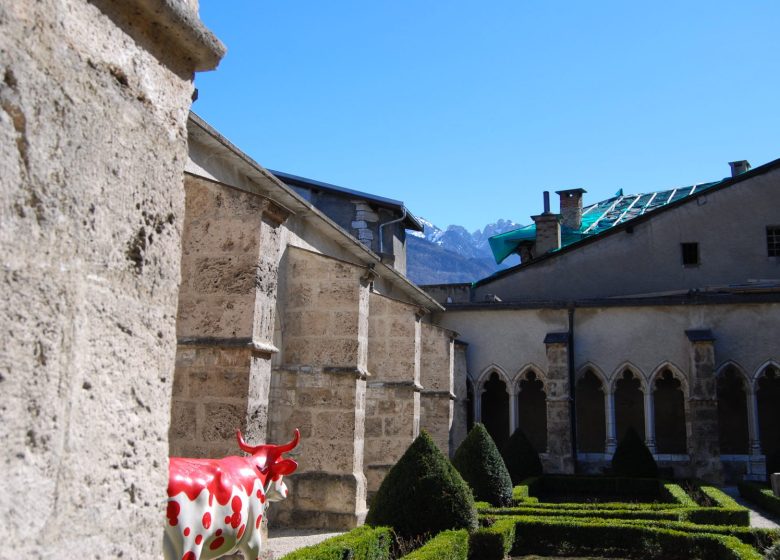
(739, 167)
(571, 207)
(548, 229)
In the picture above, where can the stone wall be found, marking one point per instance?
(393, 398)
(225, 323)
(559, 457)
(437, 378)
(461, 405)
(321, 389)
(92, 149)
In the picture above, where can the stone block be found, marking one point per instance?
(220, 421)
(231, 383)
(775, 479)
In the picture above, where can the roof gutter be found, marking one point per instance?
(381, 235)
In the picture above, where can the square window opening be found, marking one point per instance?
(773, 241)
(690, 254)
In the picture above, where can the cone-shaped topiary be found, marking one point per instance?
(633, 458)
(423, 493)
(480, 464)
(520, 457)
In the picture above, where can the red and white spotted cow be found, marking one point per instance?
(215, 506)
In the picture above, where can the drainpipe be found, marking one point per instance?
(572, 386)
(382, 237)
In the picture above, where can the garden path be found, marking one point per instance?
(758, 517)
(284, 541)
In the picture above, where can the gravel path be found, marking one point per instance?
(284, 541)
(758, 517)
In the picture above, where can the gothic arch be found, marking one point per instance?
(485, 374)
(523, 372)
(733, 390)
(721, 369)
(675, 371)
(761, 371)
(617, 375)
(596, 370)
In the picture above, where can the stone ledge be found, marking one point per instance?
(443, 394)
(358, 372)
(175, 22)
(243, 342)
(416, 387)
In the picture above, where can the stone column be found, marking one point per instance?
(756, 468)
(702, 413)
(513, 412)
(437, 379)
(393, 395)
(609, 402)
(94, 97)
(559, 438)
(649, 419)
(320, 388)
(225, 319)
(460, 415)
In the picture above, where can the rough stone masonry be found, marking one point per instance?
(93, 110)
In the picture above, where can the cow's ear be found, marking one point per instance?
(284, 467)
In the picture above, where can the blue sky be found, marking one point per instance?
(467, 111)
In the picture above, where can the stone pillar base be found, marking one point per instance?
(319, 500)
(756, 468)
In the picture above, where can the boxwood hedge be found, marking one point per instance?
(362, 543)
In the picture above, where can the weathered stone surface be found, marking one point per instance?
(559, 457)
(92, 149)
(329, 487)
(437, 363)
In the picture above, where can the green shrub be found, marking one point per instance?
(362, 543)
(447, 545)
(760, 495)
(605, 537)
(521, 458)
(542, 512)
(675, 493)
(773, 552)
(635, 489)
(423, 493)
(633, 458)
(479, 462)
(494, 541)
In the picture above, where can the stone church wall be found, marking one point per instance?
(93, 114)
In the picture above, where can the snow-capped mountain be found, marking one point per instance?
(453, 255)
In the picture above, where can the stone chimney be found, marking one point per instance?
(571, 207)
(548, 229)
(739, 167)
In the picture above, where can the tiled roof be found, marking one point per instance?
(597, 218)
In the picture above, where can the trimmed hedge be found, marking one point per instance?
(447, 545)
(648, 488)
(604, 537)
(362, 543)
(760, 495)
(494, 541)
(633, 458)
(521, 458)
(541, 513)
(675, 493)
(423, 494)
(482, 467)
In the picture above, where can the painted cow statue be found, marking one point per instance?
(215, 506)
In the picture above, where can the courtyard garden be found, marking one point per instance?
(469, 509)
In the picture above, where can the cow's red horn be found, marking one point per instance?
(244, 445)
(289, 446)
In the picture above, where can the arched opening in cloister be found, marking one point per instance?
(495, 409)
(629, 405)
(591, 418)
(768, 401)
(733, 433)
(669, 406)
(532, 410)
